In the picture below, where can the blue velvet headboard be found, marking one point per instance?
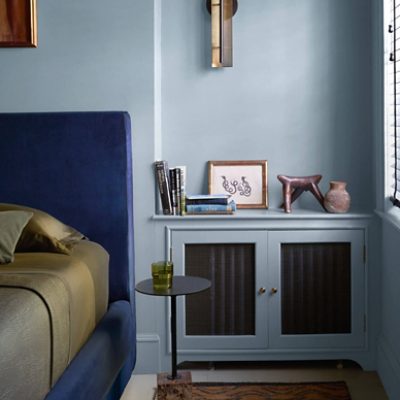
(77, 167)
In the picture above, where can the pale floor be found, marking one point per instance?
(362, 385)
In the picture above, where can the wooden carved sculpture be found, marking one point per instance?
(294, 186)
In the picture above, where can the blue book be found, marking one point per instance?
(208, 199)
(199, 208)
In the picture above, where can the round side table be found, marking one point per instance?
(181, 286)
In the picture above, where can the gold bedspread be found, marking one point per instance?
(73, 291)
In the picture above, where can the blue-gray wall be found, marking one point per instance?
(389, 345)
(299, 94)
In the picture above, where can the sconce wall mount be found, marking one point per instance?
(221, 12)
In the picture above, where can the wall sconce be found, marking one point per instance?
(221, 12)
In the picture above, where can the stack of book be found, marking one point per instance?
(171, 183)
(210, 204)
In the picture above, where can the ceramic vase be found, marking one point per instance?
(337, 199)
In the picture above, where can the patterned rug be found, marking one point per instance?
(271, 391)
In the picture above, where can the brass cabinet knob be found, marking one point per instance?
(262, 290)
(274, 290)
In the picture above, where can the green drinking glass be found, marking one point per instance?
(162, 272)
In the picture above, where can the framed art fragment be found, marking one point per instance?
(245, 181)
(18, 26)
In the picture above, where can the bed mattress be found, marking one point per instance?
(55, 301)
(96, 259)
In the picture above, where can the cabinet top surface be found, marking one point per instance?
(271, 214)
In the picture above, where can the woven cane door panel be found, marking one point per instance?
(316, 288)
(318, 301)
(228, 307)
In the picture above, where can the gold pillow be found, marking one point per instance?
(11, 225)
(44, 233)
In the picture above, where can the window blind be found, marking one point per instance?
(393, 99)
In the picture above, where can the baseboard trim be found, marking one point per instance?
(147, 338)
(148, 354)
(388, 368)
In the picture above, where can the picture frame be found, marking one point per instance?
(245, 181)
(18, 23)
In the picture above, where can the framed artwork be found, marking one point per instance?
(245, 181)
(18, 23)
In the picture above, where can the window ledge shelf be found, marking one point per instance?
(392, 216)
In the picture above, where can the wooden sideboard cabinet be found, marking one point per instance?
(285, 287)
(275, 293)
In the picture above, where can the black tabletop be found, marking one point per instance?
(181, 285)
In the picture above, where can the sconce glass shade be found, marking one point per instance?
(222, 12)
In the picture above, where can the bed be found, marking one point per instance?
(77, 168)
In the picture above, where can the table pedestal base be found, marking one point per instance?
(179, 389)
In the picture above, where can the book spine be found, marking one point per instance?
(209, 213)
(162, 177)
(182, 177)
(178, 190)
(210, 207)
(208, 201)
(172, 175)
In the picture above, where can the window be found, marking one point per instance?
(392, 99)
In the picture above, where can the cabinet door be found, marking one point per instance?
(317, 289)
(232, 313)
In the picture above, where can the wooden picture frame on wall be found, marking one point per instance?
(245, 181)
(18, 24)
